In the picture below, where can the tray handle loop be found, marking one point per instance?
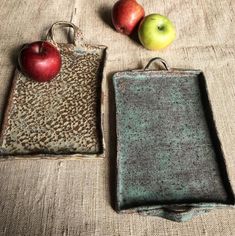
(157, 59)
(178, 209)
(77, 33)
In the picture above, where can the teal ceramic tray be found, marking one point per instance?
(169, 157)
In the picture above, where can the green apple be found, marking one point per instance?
(156, 32)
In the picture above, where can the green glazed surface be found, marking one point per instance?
(165, 149)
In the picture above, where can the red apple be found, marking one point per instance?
(126, 14)
(41, 61)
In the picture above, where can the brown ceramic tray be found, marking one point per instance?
(169, 158)
(61, 118)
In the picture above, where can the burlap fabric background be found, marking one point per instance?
(42, 197)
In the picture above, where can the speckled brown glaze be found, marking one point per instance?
(61, 116)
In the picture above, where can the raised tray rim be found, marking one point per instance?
(197, 205)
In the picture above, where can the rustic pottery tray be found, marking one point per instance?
(169, 158)
(63, 117)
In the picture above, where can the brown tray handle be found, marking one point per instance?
(178, 209)
(157, 59)
(77, 36)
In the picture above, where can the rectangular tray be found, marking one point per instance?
(169, 157)
(62, 118)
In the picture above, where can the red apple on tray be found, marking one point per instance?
(126, 14)
(41, 61)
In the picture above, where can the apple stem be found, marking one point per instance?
(161, 27)
(41, 47)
